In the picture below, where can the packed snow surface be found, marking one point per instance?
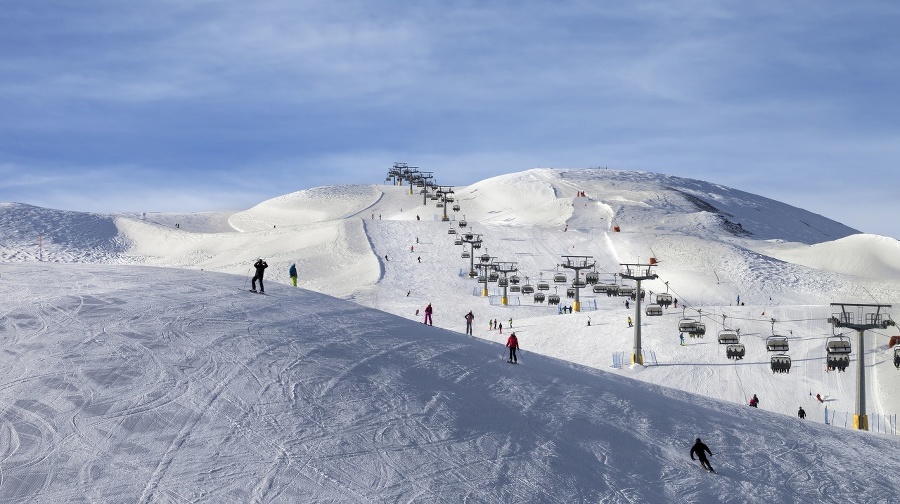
(137, 367)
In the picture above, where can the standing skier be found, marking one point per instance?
(512, 343)
(292, 271)
(260, 266)
(629, 322)
(469, 318)
(801, 414)
(428, 311)
(701, 450)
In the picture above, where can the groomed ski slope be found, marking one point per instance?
(786, 264)
(167, 385)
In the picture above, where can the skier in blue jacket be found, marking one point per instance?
(293, 273)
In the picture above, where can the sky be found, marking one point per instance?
(167, 106)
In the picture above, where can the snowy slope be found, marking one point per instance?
(712, 245)
(190, 390)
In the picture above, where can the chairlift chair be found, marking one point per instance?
(543, 285)
(539, 297)
(514, 288)
(780, 363)
(439, 204)
(462, 223)
(699, 329)
(599, 288)
(735, 351)
(592, 277)
(579, 284)
(503, 282)
(777, 343)
(458, 241)
(560, 278)
(553, 299)
(626, 290)
(837, 362)
(467, 236)
(514, 279)
(653, 310)
(493, 276)
(612, 289)
(485, 258)
(664, 299)
(686, 325)
(476, 244)
(570, 292)
(728, 337)
(836, 345)
(452, 230)
(456, 208)
(527, 289)
(466, 254)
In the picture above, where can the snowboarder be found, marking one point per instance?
(469, 318)
(512, 343)
(701, 450)
(292, 272)
(754, 401)
(428, 311)
(260, 266)
(801, 413)
(629, 322)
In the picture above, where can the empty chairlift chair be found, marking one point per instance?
(527, 289)
(653, 310)
(599, 288)
(543, 285)
(777, 343)
(514, 288)
(780, 363)
(625, 290)
(728, 337)
(503, 282)
(686, 325)
(560, 278)
(452, 230)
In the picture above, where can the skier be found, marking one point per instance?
(801, 413)
(428, 315)
(754, 401)
(500, 325)
(260, 266)
(292, 271)
(512, 343)
(819, 398)
(626, 304)
(629, 322)
(701, 450)
(469, 318)
(681, 337)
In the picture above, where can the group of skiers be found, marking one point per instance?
(260, 270)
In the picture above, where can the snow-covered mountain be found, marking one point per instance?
(128, 382)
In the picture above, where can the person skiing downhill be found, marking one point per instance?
(292, 272)
(260, 266)
(701, 450)
(512, 343)
(469, 318)
(428, 311)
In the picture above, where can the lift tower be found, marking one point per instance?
(865, 317)
(443, 192)
(638, 272)
(505, 267)
(485, 265)
(578, 263)
(474, 241)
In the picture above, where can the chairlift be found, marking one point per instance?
(543, 285)
(493, 276)
(560, 278)
(612, 289)
(777, 343)
(476, 244)
(553, 299)
(780, 363)
(686, 325)
(699, 329)
(514, 279)
(728, 337)
(570, 292)
(653, 310)
(466, 254)
(456, 208)
(458, 241)
(538, 297)
(592, 277)
(579, 283)
(599, 288)
(503, 282)
(482, 279)
(837, 345)
(735, 351)
(664, 299)
(452, 230)
(467, 236)
(625, 290)
(449, 199)
(838, 362)
(485, 258)
(439, 204)
(527, 289)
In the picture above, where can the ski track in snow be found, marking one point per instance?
(199, 392)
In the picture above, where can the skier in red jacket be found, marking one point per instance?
(512, 343)
(428, 311)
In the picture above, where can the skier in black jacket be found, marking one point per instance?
(701, 450)
(260, 266)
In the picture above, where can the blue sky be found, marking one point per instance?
(217, 104)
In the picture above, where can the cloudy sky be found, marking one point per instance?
(166, 105)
